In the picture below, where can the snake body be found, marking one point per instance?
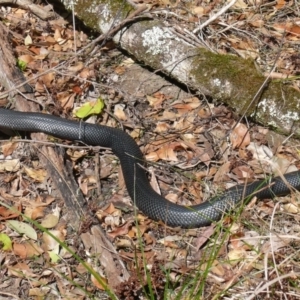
(131, 158)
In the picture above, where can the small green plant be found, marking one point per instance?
(21, 65)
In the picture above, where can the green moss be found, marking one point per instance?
(224, 74)
(281, 111)
(236, 81)
(88, 11)
(120, 8)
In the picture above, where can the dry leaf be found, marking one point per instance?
(66, 99)
(47, 79)
(77, 67)
(119, 112)
(8, 148)
(39, 293)
(100, 285)
(280, 4)
(74, 155)
(38, 175)
(156, 100)
(236, 255)
(240, 4)
(50, 243)
(27, 249)
(291, 208)
(34, 212)
(50, 221)
(10, 165)
(21, 270)
(26, 58)
(240, 137)
(162, 127)
(120, 70)
(198, 10)
(9, 213)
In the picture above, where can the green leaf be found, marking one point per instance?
(90, 108)
(22, 228)
(5, 241)
(21, 65)
(54, 257)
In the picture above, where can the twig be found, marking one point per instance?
(272, 246)
(95, 148)
(35, 9)
(269, 283)
(16, 87)
(102, 37)
(215, 16)
(10, 295)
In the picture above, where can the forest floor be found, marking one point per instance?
(195, 149)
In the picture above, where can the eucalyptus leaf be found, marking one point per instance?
(90, 108)
(22, 228)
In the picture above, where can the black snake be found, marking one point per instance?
(131, 158)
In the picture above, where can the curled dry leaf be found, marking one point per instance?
(198, 11)
(136, 133)
(168, 115)
(120, 70)
(222, 172)
(280, 4)
(77, 67)
(204, 236)
(187, 106)
(85, 73)
(39, 293)
(120, 231)
(21, 270)
(236, 255)
(167, 152)
(50, 221)
(9, 213)
(66, 99)
(240, 4)
(76, 154)
(9, 165)
(113, 221)
(291, 208)
(101, 283)
(218, 270)
(47, 79)
(243, 172)
(251, 238)
(8, 148)
(37, 175)
(27, 249)
(162, 127)
(34, 212)
(83, 184)
(156, 100)
(119, 112)
(240, 137)
(49, 242)
(123, 243)
(184, 123)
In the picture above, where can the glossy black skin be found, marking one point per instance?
(132, 161)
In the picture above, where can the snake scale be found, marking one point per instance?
(131, 158)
